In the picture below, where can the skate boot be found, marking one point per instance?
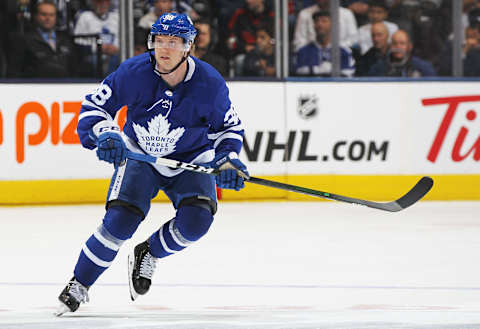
(71, 297)
(141, 265)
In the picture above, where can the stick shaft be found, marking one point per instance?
(416, 193)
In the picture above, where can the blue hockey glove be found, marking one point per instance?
(110, 145)
(232, 171)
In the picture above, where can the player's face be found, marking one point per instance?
(46, 17)
(169, 50)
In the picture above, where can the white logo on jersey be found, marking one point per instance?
(164, 103)
(168, 17)
(231, 117)
(158, 140)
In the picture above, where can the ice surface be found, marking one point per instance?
(262, 265)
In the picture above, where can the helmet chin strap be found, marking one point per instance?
(152, 57)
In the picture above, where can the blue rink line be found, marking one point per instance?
(255, 286)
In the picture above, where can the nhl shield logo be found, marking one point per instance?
(307, 106)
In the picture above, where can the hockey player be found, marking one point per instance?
(178, 107)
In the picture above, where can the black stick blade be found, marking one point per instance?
(416, 193)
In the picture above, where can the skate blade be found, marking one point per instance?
(62, 309)
(131, 260)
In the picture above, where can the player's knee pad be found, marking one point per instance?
(193, 221)
(122, 221)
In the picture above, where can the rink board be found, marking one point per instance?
(381, 188)
(363, 139)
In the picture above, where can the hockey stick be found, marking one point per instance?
(416, 193)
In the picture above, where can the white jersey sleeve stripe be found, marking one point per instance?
(235, 128)
(92, 114)
(225, 136)
(90, 104)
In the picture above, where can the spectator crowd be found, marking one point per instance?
(383, 38)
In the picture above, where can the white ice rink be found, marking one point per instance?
(262, 265)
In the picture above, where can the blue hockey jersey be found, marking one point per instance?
(190, 122)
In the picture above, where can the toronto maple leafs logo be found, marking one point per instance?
(158, 140)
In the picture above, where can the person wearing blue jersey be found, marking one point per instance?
(315, 59)
(178, 107)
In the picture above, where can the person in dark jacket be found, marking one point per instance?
(400, 62)
(242, 29)
(43, 52)
(261, 60)
(470, 54)
(377, 52)
(205, 44)
(244, 23)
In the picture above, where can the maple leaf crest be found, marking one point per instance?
(158, 140)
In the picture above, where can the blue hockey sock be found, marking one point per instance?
(189, 225)
(99, 251)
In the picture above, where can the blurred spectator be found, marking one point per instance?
(359, 9)
(23, 13)
(400, 62)
(103, 22)
(159, 7)
(404, 12)
(223, 11)
(305, 31)
(243, 26)
(474, 17)
(140, 41)
(470, 54)
(314, 59)
(204, 45)
(66, 10)
(197, 9)
(43, 52)
(140, 8)
(468, 6)
(377, 52)
(3, 38)
(428, 37)
(377, 12)
(261, 60)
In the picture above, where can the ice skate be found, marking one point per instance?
(141, 265)
(71, 297)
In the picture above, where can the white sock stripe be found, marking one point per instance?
(177, 236)
(95, 259)
(105, 238)
(103, 230)
(163, 243)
